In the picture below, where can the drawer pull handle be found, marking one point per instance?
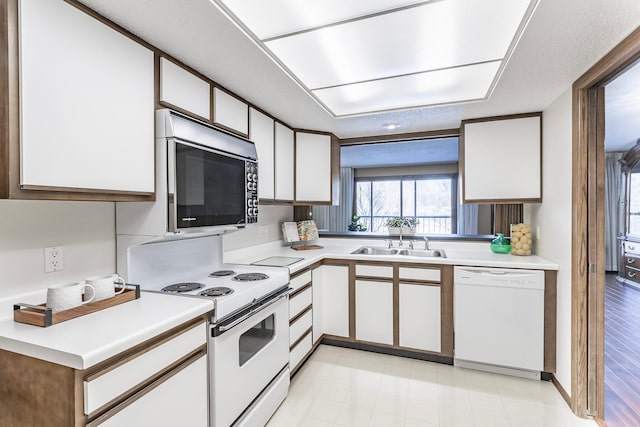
(631, 248)
(631, 274)
(630, 260)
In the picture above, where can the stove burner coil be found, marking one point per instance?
(250, 277)
(177, 288)
(216, 292)
(222, 273)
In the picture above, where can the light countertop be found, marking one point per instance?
(458, 253)
(84, 341)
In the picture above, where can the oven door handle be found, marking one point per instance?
(224, 328)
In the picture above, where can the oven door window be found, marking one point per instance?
(256, 338)
(210, 188)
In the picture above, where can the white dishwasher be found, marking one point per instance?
(499, 320)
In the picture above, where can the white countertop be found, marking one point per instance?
(458, 253)
(84, 341)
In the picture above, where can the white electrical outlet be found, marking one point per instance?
(53, 259)
(264, 231)
(538, 233)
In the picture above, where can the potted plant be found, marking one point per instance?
(401, 225)
(356, 224)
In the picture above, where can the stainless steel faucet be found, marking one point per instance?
(400, 242)
(389, 243)
(410, 244)
(426, 243)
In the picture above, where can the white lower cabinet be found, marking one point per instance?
(166, 405)
(419, 317)
(332, 299)
(374, 311)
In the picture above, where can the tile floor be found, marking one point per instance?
(343, 387)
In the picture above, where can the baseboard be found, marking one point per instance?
(562, 391)
(388, 350)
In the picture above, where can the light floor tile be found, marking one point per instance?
(344, 387)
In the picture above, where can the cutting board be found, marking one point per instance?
(278, 261)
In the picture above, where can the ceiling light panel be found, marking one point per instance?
(433, 36)
(267, 19)
(453, 85)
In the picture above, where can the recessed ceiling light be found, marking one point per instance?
(391, 126)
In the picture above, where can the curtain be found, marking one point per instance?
(337, 218)
(468, 218)
(613, 209)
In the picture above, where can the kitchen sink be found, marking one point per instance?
(371, 250)
(431, 253)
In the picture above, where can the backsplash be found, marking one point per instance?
(85, 230)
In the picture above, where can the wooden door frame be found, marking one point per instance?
(588, 253)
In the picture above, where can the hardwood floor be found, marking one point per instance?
(622, 354)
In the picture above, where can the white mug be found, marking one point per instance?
(68, 295)
(104, 286)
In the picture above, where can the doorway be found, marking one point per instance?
(588, 253)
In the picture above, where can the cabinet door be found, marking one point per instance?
(374, 311)
(283, 163)
(419, 317)
(313, 167)
(262, 134)
(181, 400)
(230, 112)
(335, 300)
(515, 143)
(179, 88)
(87, 103)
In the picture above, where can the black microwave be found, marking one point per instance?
(212, 179)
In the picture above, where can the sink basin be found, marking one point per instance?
(432, 253)
(371, 250)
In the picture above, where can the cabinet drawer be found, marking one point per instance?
(631, 261)
(430, 274)
(103, 388)
(632, 274)
(300, 351)
(300, 326)
(374, 270)
(632, 248)
(299, 302)
(299, 281)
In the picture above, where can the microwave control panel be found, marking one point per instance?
(251, 169)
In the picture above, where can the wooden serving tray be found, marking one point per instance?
(40, 315)
(306, 247)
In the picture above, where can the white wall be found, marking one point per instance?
(85, 230)
(270, 217)
(553, 216)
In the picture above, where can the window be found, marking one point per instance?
(634, 204)
(431, 199)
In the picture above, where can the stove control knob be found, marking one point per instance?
(250, 202)
(255, 177)
(249, 176)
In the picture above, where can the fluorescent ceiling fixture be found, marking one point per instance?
(358, 48)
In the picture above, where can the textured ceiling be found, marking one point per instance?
(563, 39)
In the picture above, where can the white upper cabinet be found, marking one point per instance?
(313, 167)
(261, 132)
(283, 163)
(86, 104)
(184, 90)
(501, 159)
(230, 112)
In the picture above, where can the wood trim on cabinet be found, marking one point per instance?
(585, 122)
(420, 282)
(297, 317)
(398, 137)
(352, 300)
(120, 359)
(396, 305)
(47, 389)
(446, 310)
(131, 396)
(550, 308)
(304, 335)
(299, 290)
(165, 104)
